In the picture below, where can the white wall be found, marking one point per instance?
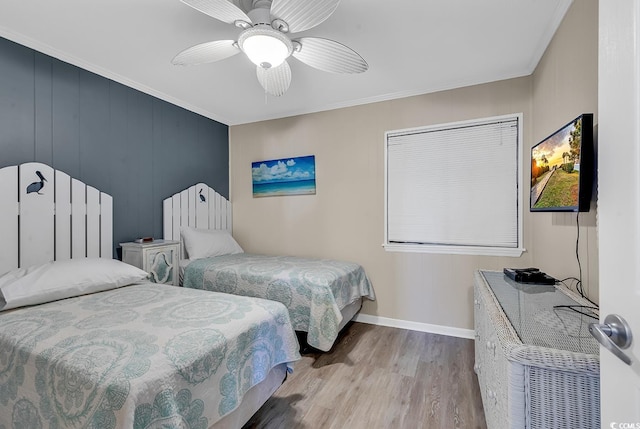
(344, 220)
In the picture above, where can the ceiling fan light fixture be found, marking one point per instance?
(265, 46)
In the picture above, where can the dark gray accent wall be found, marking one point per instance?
(133, 146)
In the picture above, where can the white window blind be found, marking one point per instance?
(455, 188)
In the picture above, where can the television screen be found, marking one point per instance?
(562, 168)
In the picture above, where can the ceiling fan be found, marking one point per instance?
(266, 26)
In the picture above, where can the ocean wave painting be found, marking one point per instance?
(286, 176)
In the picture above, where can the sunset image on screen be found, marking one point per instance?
(555, 169)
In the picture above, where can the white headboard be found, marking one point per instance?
(46, 215)
(198, 207)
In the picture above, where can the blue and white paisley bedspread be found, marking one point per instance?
(142, 356)
(314, 290)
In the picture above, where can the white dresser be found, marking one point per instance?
(537, 365)
(159, 258)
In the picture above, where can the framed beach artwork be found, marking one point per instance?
(286, 176)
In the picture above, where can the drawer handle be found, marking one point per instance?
(476, 302)
(476, 368)
(491, 346)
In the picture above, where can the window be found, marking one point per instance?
(455, 188)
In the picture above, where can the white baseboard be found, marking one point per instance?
(415, 326)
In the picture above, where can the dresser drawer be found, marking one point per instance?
(490, 367)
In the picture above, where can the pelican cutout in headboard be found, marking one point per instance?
(198, 207)
(37, 186)
(46, 215)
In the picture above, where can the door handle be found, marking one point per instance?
(614, 335)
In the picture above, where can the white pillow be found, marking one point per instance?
(63, 279)
(207, 243)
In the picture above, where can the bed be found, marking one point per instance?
(87, 341)
(322, 295)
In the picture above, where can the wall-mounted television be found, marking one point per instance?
(562, 168)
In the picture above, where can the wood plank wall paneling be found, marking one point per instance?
(66, 105)
(133, 146)
(43, 93)
(16, 105)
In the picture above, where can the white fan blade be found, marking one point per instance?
(276, 80)
(219, 9)
(330, 56)
(302, 15)
(208, 52)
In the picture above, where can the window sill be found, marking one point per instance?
(454, 250)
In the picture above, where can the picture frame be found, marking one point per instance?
(284, 176)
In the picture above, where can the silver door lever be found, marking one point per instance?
(614, 335)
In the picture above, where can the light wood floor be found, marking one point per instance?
(379, 377)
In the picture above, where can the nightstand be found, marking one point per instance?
(159, 258)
